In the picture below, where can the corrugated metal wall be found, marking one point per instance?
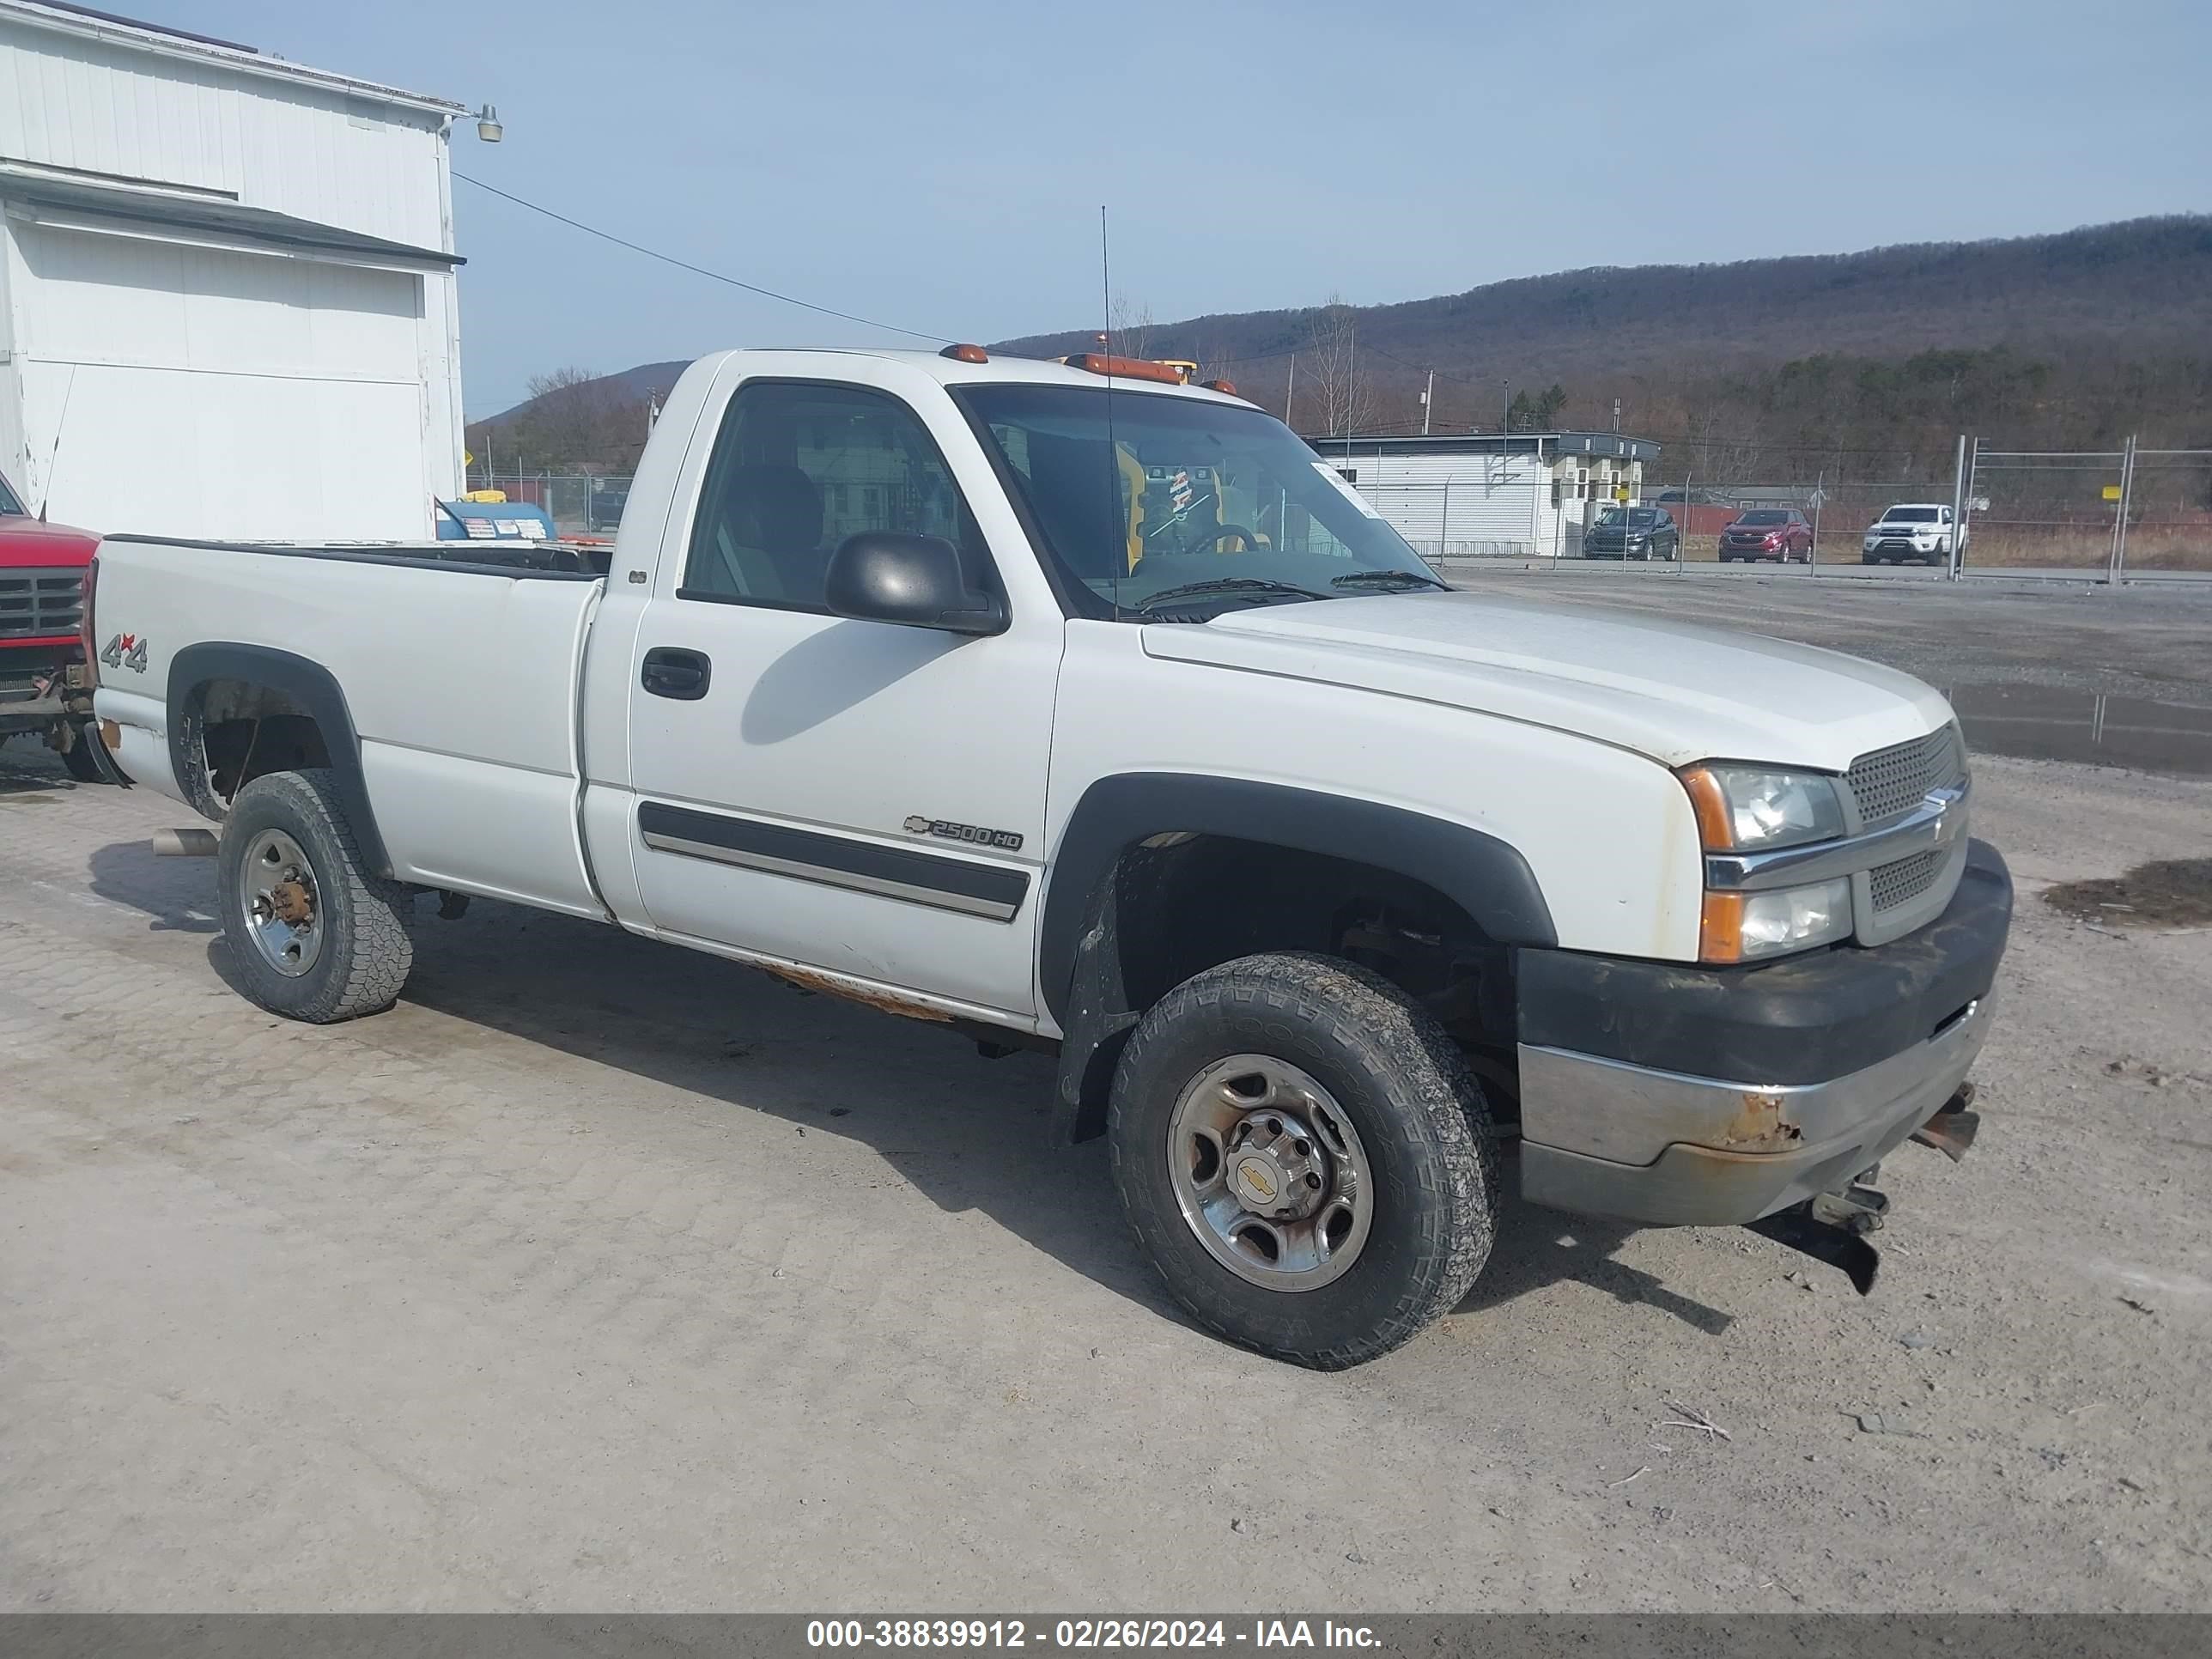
(225, 393)
(1459, 506)
(314, 152)
(1481, 506)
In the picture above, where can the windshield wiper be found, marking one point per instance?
(1224, 584)
(1386, 578)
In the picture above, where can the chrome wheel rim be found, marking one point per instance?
(278, 903)
(1269, 1174)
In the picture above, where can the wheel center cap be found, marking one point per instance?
(1258, 1182)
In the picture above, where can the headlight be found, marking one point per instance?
(1758, 809)
(1751, 809)
(1745, 926)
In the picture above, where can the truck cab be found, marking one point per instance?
(1071, 707)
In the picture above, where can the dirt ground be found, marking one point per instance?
(602, 1276)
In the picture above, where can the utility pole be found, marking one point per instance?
(1290, 391)
(1508, 424)
(1428, 402)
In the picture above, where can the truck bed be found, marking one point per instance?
(459, 675)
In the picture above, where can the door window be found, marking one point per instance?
(798, 467)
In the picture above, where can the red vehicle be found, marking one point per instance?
(42, 575)
(1780, 533)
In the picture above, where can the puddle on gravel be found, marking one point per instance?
(2039, 723)
(2171, 893)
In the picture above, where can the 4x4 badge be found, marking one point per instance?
(126, 650)
(974, 835)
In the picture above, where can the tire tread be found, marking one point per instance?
(378, 950)
(1366, 1015)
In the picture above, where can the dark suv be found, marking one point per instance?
(603, 504)
(1633, 533)
(1780, 533)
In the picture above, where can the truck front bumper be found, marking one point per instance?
(1698, 1096)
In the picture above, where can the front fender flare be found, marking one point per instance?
(1486, 877)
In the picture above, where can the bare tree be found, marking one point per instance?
(1333, 374)
(1129, 325)
(576, 418)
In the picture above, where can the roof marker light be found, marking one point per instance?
(1125, 368)
(966, 354)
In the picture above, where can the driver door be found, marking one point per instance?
(855, 796)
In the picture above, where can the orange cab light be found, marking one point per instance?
(1720, 928)
(1125, 368)
(1227, 388)
(966, 354)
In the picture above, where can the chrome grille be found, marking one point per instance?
(1905, 879)
(34, 603)
(1889, 782)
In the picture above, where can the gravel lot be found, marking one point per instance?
(602, 1276)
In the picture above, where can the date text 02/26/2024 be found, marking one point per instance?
(1086, 1634)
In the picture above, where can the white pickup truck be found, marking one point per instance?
(1078, 708)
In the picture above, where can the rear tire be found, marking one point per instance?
(345, 950)
(1335, 1058)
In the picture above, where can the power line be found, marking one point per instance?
(696, 270)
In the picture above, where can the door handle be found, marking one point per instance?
(671, 672)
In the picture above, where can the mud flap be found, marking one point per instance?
(85, 733)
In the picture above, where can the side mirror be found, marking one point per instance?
(916, 581)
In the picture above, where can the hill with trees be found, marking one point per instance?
(1871, 362)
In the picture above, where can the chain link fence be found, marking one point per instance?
(2097, 512)
(2091, 513)
(581, 504)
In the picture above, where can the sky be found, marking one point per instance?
(940, 166)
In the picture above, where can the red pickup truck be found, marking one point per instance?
(42, 573)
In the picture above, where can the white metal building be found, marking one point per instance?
(227, 288)
(1462, 495)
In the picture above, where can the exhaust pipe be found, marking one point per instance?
(184, 843)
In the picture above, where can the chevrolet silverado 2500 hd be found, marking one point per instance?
(1070, 705)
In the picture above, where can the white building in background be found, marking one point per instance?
(226, 286)
(1464, 495)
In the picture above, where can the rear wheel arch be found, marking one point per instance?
(279, 711)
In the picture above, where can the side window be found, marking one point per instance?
(796, 469)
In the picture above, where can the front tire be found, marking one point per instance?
(1305, 1157)
(313, 933)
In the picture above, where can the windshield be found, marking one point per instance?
(9, 507)
(1910, 516)
(1764, 517)
(1136, 494)
(1638, 518)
